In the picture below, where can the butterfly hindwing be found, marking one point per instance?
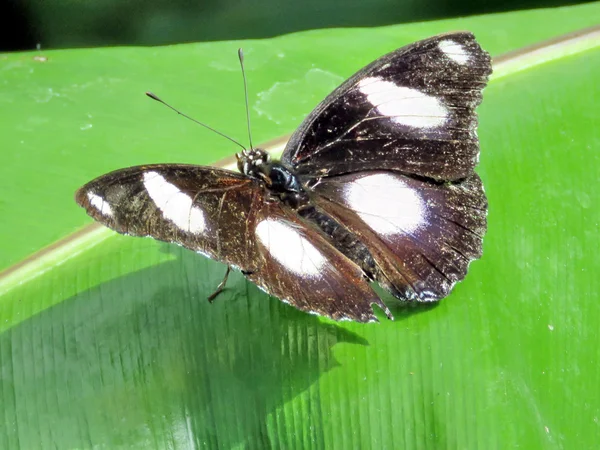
(233, 219)
(412, 110)
(421, 235)
(301, 267)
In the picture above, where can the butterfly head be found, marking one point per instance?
(250, 162)
(256, 163)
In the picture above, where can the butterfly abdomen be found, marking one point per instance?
(342, 239)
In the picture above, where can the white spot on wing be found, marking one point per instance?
(455, 51)
(100, 204)
(292, 250)
(176, 206)
(386, 203)
(404, 105)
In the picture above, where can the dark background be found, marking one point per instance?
(71, 23)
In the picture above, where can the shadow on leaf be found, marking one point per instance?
(146, 360)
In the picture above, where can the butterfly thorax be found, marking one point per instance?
(278, 179)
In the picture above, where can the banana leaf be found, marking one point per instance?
(108, 341)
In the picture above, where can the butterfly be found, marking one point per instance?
(376, 185)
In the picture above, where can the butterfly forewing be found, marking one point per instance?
(412, 110)
(192, 206)
(233, 219)
(422, 235)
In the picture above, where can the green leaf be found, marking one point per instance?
(108, 341)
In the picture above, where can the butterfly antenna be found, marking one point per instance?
(154, 97)
(241, 57)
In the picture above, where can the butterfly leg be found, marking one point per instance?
(220, 287)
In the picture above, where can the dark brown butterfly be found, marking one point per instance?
(377, 184)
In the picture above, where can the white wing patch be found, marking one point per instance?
(100, 204)
(176, 206)
(455, 51)
(404, 105)
(292, 250)
(386, 204)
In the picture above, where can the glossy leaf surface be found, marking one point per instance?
(109, 341)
